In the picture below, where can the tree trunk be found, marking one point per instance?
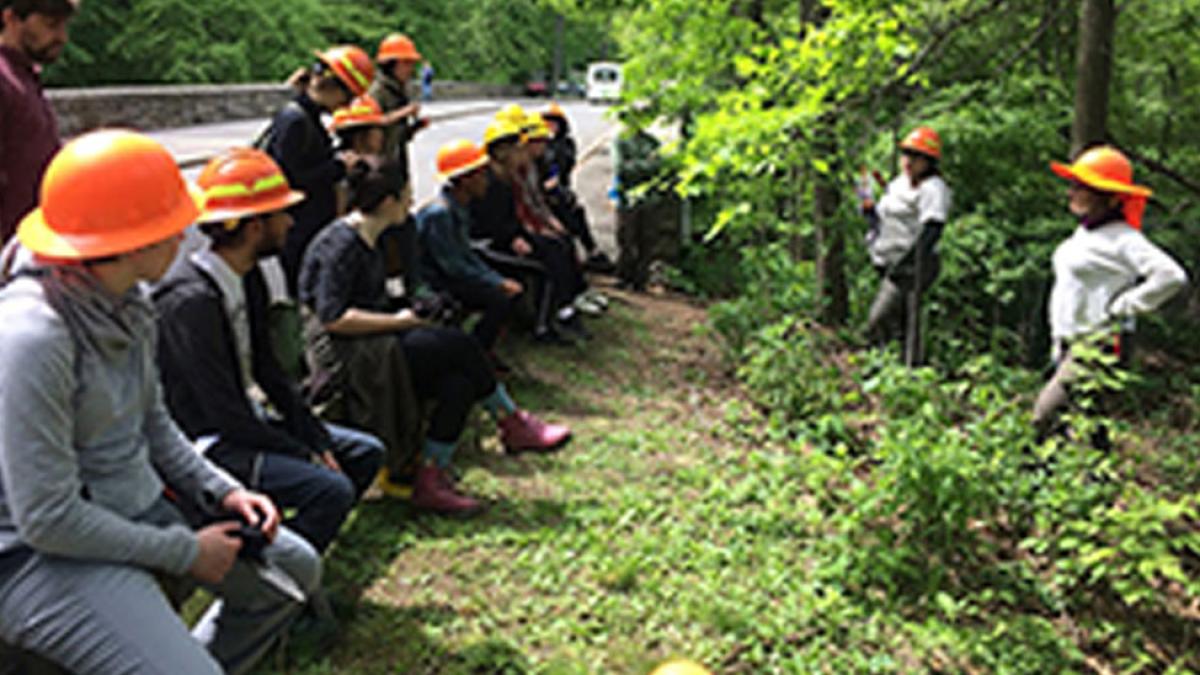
(1093, 73)
(830, 241)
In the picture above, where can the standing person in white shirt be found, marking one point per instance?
(906, 225)
(1106, 273)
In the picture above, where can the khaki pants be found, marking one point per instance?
(1055, 395)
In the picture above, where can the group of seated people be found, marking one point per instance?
(151, 420)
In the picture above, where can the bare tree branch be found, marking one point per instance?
(1159, 168)
(1047, 21)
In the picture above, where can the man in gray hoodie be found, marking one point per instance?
(93, 471)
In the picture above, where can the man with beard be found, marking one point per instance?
(214, 347)
(33, 35)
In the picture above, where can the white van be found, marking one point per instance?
(604, 82)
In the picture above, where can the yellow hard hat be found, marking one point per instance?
(681, 667)
(514, 114)
(500, 130)
(537, 130)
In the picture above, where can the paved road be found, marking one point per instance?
(593, 130)
(451, 119)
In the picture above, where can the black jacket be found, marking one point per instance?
(202, 382)
(494, 216)
(304, 150)
(560, 155)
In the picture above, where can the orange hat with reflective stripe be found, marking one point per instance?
(923, 140)
(362, 111)
(351, 65)
(397, 47)
(1106, 169)
(459, 158)
(554, 111)
(106, 193)
(244, 182)
(500, 130)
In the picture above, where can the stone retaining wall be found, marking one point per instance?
(160, 107)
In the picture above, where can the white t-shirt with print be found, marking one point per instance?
(902, 211)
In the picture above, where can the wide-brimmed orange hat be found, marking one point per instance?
(244, 182)
(1103, 168)
(363, 111)
(1106, 169)
(459, 158)
(106, 193)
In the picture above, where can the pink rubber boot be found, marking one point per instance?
(522, 431)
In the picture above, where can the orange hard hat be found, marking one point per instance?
(244, 182)
(923, 140)
(106, 193)
(555, 111)
(351, 65)
(397, 47)
(681, 667)
(362, 111)
(458, 158)
(1103, 168)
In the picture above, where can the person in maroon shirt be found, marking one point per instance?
(34, 34)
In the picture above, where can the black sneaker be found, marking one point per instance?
(551, 336)
(600, 263)
(574, 329)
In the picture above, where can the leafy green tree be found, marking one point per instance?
(178, 41)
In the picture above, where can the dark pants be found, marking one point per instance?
(557, 256)
(495, 304)
(533, 274)
(448, 366)
(321, 497)
(567, 209)
(646, 232)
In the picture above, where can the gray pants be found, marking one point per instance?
(896, 311)
(108, 618)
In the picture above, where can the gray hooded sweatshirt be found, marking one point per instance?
(85, 440)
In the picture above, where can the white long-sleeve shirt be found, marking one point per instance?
(903, 211)
(1107, 273)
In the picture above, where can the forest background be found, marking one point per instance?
(934, 534)
(219, 41)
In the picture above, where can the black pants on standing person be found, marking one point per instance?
(448, 366)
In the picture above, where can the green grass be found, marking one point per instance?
(652, 534)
